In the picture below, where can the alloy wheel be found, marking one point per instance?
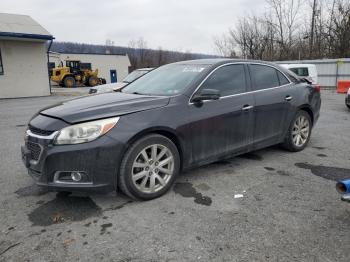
(153, 168)
(301, 131)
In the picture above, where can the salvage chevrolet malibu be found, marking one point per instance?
(176, 117)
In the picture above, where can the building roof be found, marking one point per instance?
(22, 27)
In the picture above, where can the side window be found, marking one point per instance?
(1, 65)
(229, 80)
(283, 80)
(264, 77)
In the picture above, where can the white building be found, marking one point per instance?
(111, 67)
(23, 57)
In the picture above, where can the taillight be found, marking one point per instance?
(318, 87)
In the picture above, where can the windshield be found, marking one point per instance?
(167, 80)
(134, 75)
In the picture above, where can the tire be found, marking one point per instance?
(69, 81)
(348, 106)
(291, 141)
(93, 81)
(136, 181)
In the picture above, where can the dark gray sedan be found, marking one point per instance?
(176, 117)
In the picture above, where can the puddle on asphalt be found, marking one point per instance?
(251, 156)
(319, 147)
(64, 208)
(118, 206)
(104, 228)
(327, 172)
(187, 190)
(32, 190)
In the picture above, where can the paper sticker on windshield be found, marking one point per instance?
(197, 69)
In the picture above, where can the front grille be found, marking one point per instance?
(38, 131)
(34, 149)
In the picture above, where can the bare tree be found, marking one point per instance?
(340, 28)
(225, 45)
(284, 17)
(291, 29)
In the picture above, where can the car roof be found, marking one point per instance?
(212, 61)
(299, 65)
(218, 61)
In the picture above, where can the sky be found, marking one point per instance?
(181, 25)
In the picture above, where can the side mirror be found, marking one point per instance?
(206, 94)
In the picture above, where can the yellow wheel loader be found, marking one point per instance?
(75, 73)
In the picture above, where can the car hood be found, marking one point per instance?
(102, 106)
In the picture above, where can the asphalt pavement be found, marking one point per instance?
(269, 205)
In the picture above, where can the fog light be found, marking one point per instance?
(76, 176)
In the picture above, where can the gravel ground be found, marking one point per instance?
(269, 205)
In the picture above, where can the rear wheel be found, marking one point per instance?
(149, 167)
(69, 81)
(299, 132)
(93, 81)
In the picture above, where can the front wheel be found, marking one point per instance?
(299, 132)
(92, 81)
(69, 81)
(149, 167)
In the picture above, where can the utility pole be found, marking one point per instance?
(330, 29)
(312, 28)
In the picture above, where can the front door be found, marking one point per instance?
(224, 126)
(113, 73)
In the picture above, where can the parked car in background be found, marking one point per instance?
(347, 99)
(307, 71)
(115, 86)
(174, 118)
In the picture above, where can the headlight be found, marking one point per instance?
(85, 132)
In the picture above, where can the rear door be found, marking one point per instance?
(223, 126)
(273, 94)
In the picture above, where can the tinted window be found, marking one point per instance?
(283, 80)
(300, 71)
(229, 80)
(264, 76)
(1, 66)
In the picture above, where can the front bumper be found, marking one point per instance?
(98, 159)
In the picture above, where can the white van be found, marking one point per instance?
(308, 71)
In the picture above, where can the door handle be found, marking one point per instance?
(247, 107)
(288, 98)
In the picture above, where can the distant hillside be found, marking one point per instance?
(139, 57)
